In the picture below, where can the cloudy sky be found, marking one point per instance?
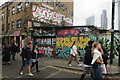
(85, 8)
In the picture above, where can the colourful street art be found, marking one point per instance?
(48, 51)
(48, 16)
(67, 42)
(63, 42)
(107, 43)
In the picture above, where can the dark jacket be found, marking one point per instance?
(6, 54)
(34, 55)
(26, 53)
(6, 51)
(13, 48)
(105, 55)
(88, 56)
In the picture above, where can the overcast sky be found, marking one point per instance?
(85, 8)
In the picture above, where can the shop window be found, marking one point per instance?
(3, 15)
(13, 25)
(19, 23)
(3, 27)
(13, 10)
(19, 7)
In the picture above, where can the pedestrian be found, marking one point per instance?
(87, 60)
(35, 59)
(6, 54)
(17, 48)
(26, 59)
(74, 53)
(13, 49)
(105, 55)
(97, 60)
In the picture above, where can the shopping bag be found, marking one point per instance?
(103, 68)
(40, 52)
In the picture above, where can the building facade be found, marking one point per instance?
(18, 17)
(0, 32)
(90, 20)
(104, 23)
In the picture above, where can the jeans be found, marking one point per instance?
(97, 73)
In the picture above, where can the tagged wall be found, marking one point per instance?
(59, 47)
(63, 45)
(65, 39)
(48, 16)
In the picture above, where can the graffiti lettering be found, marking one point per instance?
(45, 15)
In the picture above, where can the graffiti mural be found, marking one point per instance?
(60, 46)
(48, 16)
(106, 39)
(67, 42)
(48, 51)
(65, 39)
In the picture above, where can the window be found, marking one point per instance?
(13, 25)
(19, 23)
(13, 10)
(19, 7)
(27, 5)
(2, 15)
(50, 2)
(8, 12)
(3, 28)
(8, 26)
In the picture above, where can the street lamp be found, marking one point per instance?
(112, 32)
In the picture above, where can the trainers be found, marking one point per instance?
(69, 65)
(30, 74)
(79, 65)
(21, 73)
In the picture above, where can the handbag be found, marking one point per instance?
(103, 68)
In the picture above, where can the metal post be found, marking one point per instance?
(112, 33)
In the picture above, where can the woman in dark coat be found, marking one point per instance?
(6, 54)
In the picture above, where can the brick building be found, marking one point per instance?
(18, 17)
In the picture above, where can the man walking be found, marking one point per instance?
(26, 59)
(13, 50)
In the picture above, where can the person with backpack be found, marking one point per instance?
(26, 59)
(74, 53)
(87, 61)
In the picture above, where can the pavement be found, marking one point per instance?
(112, 69)
(54, 68)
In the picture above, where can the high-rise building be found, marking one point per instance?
(104, 19)
(90, 20)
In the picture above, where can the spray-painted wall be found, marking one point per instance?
(59, 47)
(66, 37)
(106, 39)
